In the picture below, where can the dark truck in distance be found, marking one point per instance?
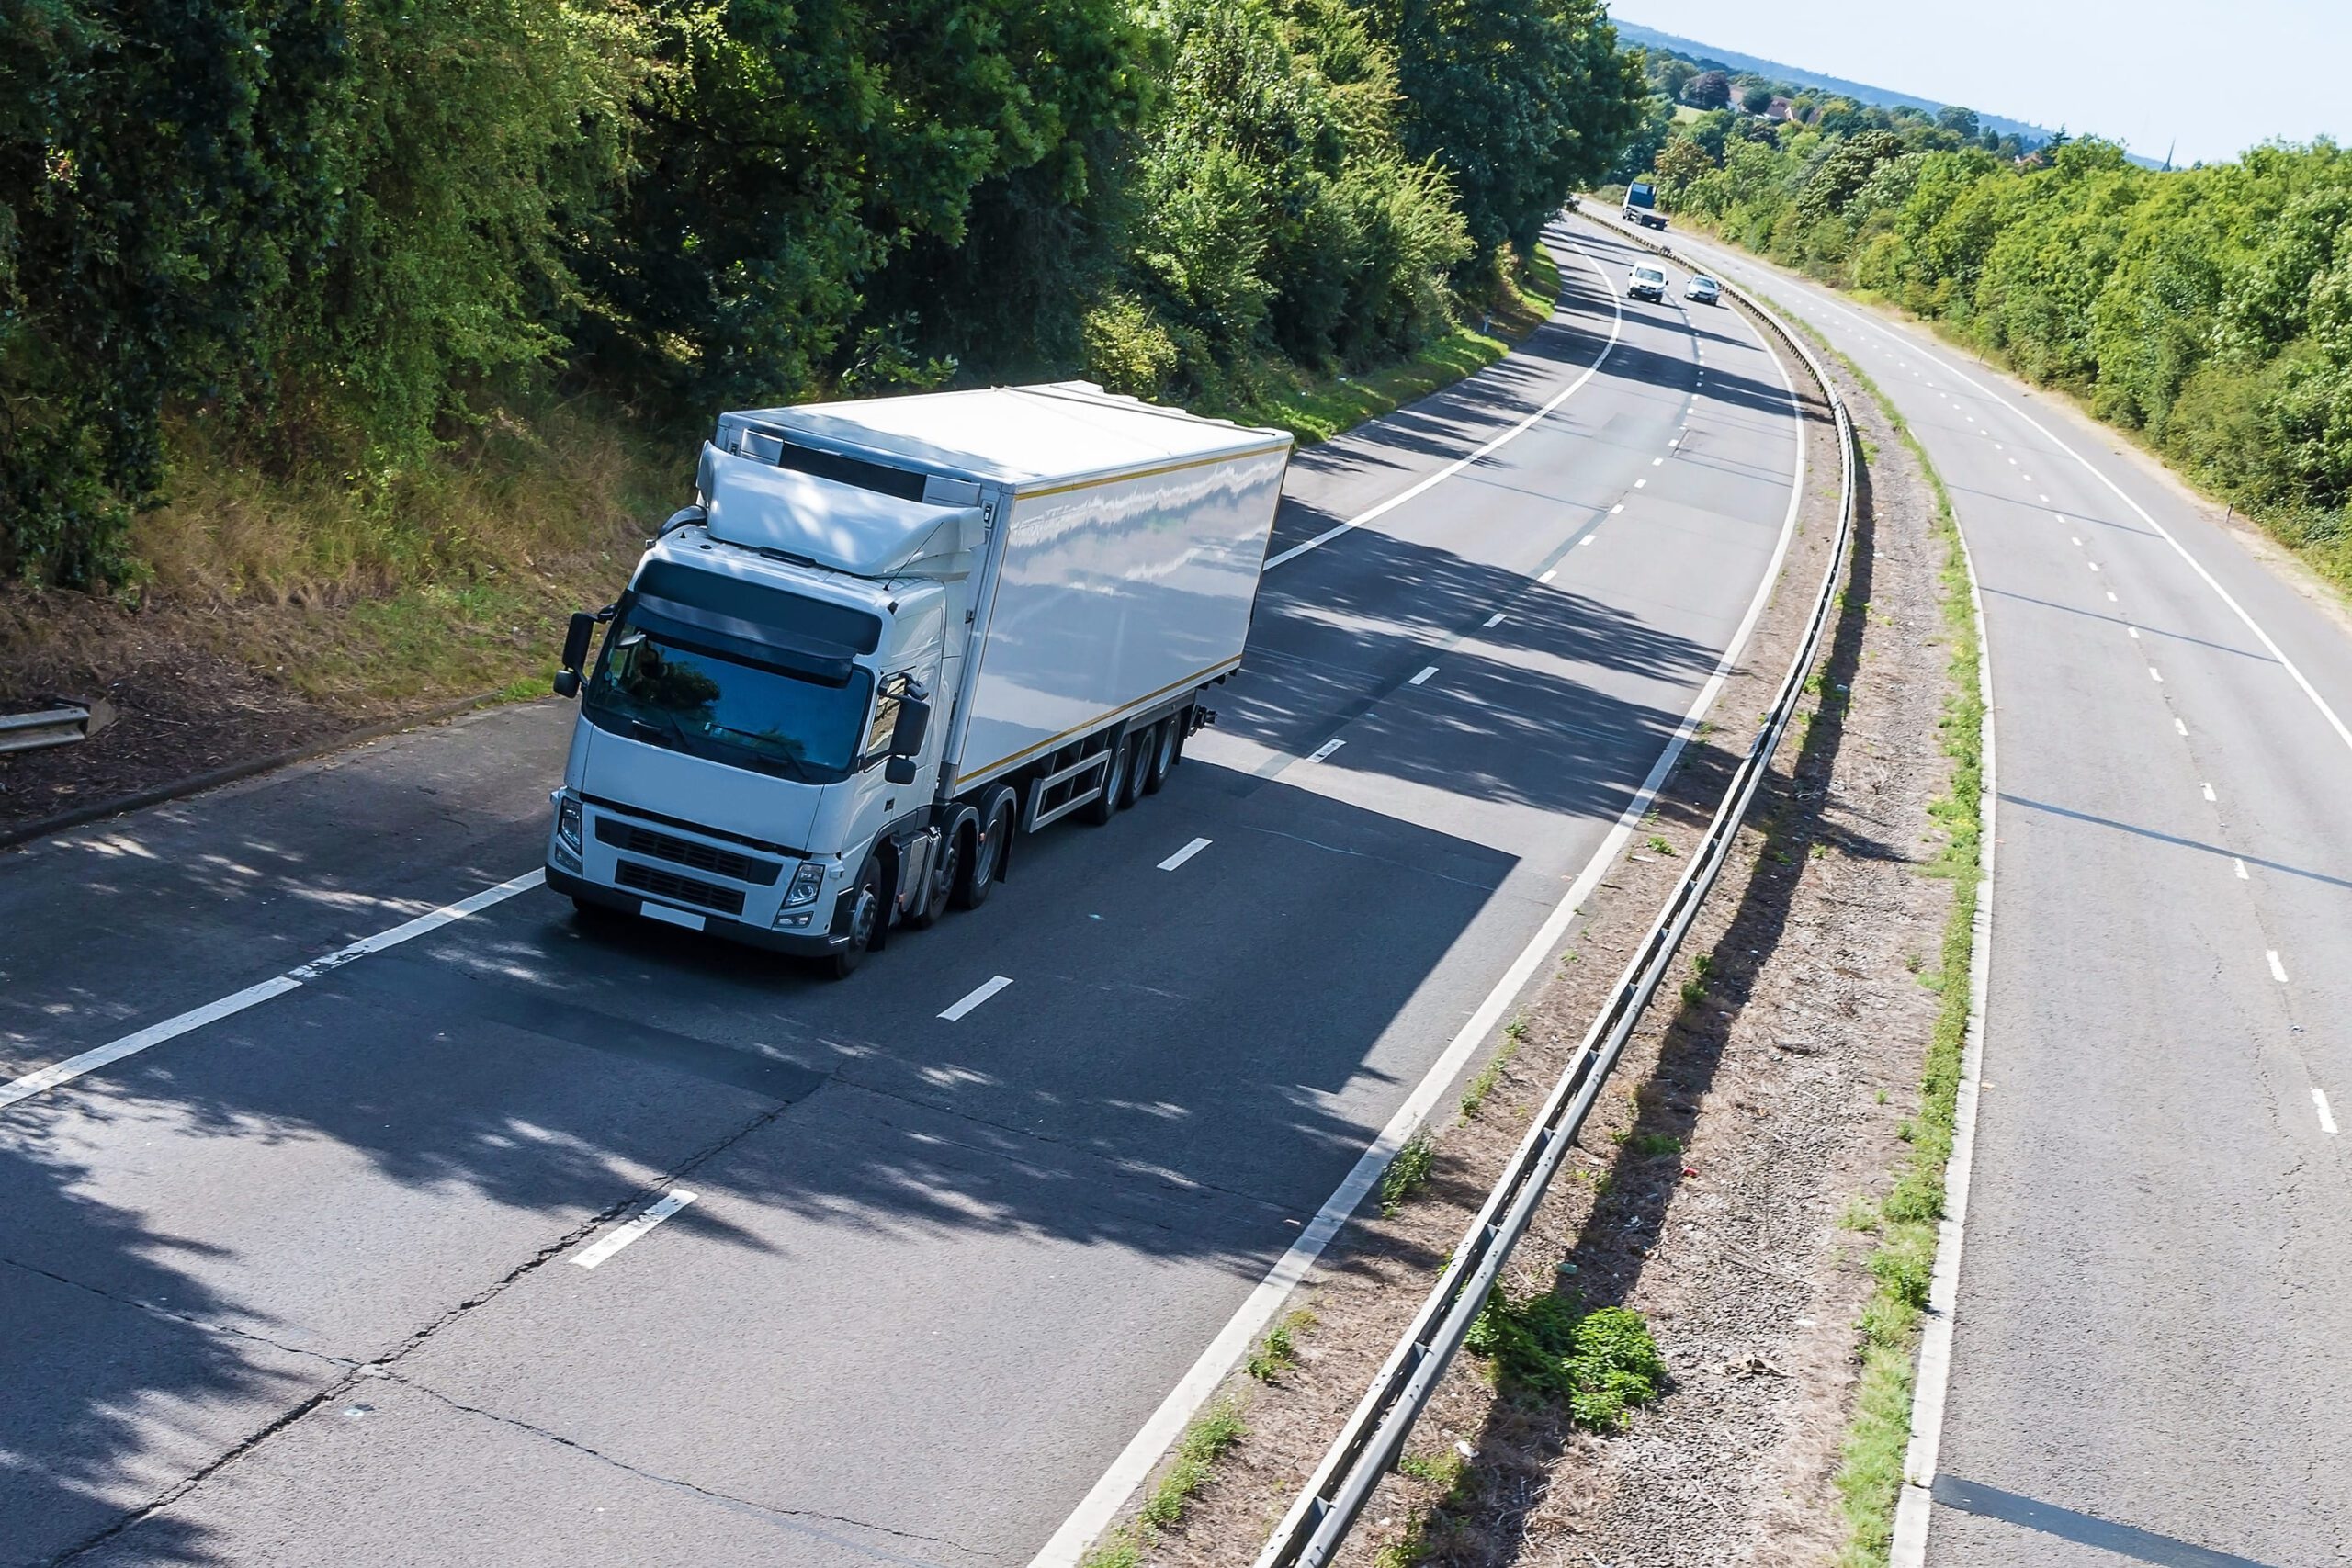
(1641, 206)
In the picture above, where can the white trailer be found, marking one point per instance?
(1052, 573)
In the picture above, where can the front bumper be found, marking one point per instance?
(801, 944)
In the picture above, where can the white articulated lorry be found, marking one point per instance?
(889, 635)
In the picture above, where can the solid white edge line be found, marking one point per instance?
(598, 1251)
(1181, 856)
(1932, 1379)
(1616, 327)
(1101, 1504)
(89, 1061)
(2326, 1117)
(976, 996)
(2343, 732)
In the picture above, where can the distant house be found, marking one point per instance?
(1779, 108)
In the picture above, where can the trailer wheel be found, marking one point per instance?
(1139, 752)
(984, 855)
(1105, 806)
(865, 922)
(1164, 741)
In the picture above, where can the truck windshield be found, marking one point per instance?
(669, 694)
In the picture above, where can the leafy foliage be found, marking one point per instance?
(1601, 1362)
(2209, 308)
(328, 238)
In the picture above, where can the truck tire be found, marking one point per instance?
(1165, 740)
(865, 922)
(939, 882)
(1139, 750)
(984, 860)
(1105, 806)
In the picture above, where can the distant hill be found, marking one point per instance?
(1736, 64)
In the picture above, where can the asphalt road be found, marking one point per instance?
(299, 1284)
(2150, 1340)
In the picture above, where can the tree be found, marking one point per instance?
(1961, 122)
(1521, 102)
(1708, 90)
(1681, 164)
(1756, 97)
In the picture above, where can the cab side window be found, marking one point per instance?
(886, 715)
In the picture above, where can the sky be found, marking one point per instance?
(2216, 78)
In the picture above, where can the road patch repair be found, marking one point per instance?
(1678, 1347)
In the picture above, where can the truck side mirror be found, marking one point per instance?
(899, 770)
(567, 683)
(905, 736)
(575, 640)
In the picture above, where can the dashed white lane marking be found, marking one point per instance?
(2156, 674)
(1641, 484)
(2111, 598)
(1548, 576)
(1324, 750)
(1657, 462)
(2277, 970)
(1616, 509)
(2208, 793)
(2335, 721)
(2240, 866)
(2093, 566)
(1427, 670)
(2075, 539)
(1616, 327)
(2181, 726)
(978, 995)
(1495, 620)
(1181, 856)
(1676, 442)
(598, 1251)
(89, 1061)
(2326, 1117)
(1583, 542)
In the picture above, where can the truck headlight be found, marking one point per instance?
(807, 883)
(567, 819)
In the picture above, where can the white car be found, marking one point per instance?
(1646, 283)
(1705, 290)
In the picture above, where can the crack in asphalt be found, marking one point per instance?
(156, 1310)
(788, 1517)
(415, 1341)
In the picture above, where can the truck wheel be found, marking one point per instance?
(1105, 806)
(1163, 753)
(865, 920)
(1139, 750)
(939, 886)
(985, 857)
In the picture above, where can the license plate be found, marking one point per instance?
(669, 917)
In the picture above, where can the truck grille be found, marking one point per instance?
(685, 852)
(679, 889)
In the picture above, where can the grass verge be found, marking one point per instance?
(1317, 407)
(1213, 1432)
(1870, 1474)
